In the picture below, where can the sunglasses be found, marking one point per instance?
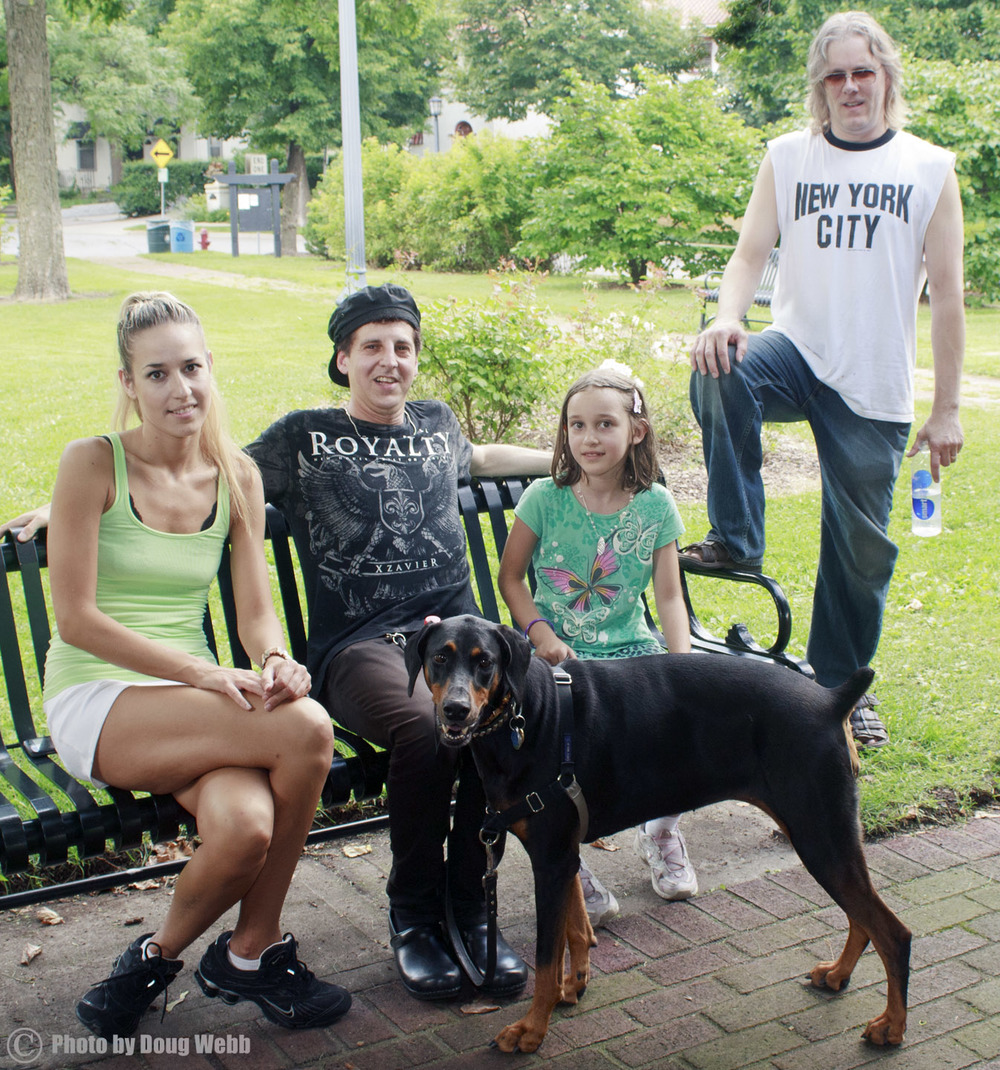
(860, 76)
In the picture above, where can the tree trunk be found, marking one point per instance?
(41, 269)
(294, 198)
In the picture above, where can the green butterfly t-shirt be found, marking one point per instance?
(591, 569)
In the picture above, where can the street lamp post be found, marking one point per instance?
(435, 106)
(350, 120)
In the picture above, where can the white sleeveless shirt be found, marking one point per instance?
(851, 268)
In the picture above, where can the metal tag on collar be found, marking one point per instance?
(517, 729)
(395, 637)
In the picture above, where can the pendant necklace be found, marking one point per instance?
(406, 413)
(602, 543)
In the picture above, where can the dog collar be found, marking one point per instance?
(497, 719)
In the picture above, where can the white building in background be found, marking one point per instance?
(709, 13)
(90, 164)
(457, 121)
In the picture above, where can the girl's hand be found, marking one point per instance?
(30, 522)
(231, 682)
(284, 680)
(552, 649)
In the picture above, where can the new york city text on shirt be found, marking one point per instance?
(850, 228)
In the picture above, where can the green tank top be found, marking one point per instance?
(154, 582)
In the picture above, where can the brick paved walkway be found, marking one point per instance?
(714, 984)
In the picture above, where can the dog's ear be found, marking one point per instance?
(413, 653)
(517, 658)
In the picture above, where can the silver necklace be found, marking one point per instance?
(602, 543)
(406, 413)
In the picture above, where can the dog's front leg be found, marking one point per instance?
(555, 906)
(580, 937)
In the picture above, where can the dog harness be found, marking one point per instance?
(498, 822)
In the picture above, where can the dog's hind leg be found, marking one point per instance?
(849, 883)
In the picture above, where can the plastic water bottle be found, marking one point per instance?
(925, 517)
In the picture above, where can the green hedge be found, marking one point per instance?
(138, 192)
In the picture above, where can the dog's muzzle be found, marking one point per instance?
(456, 721)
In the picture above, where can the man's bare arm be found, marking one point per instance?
(498, 459)
(758, 236)
(943, 249)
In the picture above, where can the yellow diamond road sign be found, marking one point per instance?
(162, 153)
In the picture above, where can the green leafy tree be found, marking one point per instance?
(270, 70)
(130, 85)
(651, 179)
(957, 106)
(515, 54)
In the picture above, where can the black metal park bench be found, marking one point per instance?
(48, 819)
(763, 295)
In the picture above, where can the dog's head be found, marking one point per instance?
(470, 666)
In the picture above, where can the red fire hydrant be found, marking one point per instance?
(204, 237)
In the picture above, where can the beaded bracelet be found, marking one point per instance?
(538, 620)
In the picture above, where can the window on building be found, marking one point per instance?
(86, 157)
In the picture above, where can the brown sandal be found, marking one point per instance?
(714, 555)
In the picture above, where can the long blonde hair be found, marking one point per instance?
(140, 312)
(883, 50)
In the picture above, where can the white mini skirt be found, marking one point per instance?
(76, 718)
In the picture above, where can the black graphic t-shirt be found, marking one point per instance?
(374, 514)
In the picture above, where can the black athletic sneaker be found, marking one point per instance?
(285, 990)
(114, 1006)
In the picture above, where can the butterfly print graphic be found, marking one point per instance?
(566, 581)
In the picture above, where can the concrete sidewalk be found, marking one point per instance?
(717, 983)
(100, 232)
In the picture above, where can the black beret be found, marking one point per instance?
(371, 304)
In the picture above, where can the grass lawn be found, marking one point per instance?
(937, 663)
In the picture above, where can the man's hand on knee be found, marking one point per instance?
(719, 347)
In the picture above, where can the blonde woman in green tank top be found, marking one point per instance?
(135, 699)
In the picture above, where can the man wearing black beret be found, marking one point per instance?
(370, 492)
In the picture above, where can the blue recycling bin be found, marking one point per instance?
(158, 236)
(181, 236)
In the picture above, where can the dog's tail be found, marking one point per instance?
(851, 690)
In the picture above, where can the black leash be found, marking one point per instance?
(495, 828)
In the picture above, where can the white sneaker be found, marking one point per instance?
(666, 855)
(601, 904)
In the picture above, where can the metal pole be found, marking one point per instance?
(350, 126)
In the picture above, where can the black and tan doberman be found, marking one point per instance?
(656, 735)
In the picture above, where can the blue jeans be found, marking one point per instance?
(859, 461)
